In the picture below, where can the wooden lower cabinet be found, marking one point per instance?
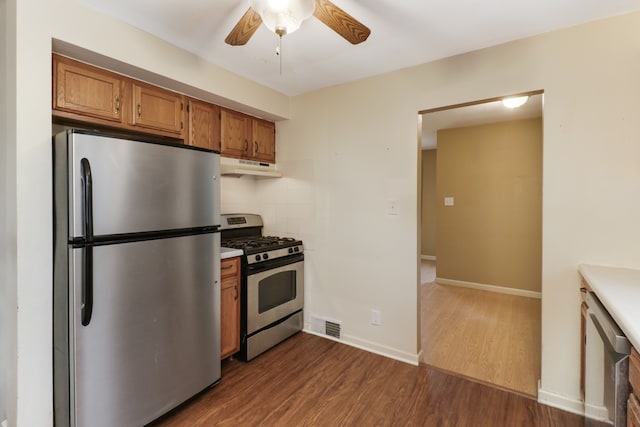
(633, 407)
(229, 307)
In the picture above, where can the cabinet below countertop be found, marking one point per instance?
(230, 253)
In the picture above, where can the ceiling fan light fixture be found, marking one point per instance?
(283, 16)
(515, 101)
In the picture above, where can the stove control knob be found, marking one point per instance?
(297, 249)
(290, 250)
(265, 256)
(258, 258)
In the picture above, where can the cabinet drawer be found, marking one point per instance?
(229, 267)
(634, 370)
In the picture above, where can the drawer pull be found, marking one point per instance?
(227, 267)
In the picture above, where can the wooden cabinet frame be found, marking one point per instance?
(94, 96)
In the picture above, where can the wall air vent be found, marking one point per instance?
(326, 327)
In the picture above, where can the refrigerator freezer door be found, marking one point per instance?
(153, 339)
(139, 186)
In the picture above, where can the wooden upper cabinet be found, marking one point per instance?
(156, 108)
(204, 125)
(91, 95)
(85, 90)
(235, 133)
(264, 140)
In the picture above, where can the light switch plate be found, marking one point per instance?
(392, 208)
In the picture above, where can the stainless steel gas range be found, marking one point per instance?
(272, 292)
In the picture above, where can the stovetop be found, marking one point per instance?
(244, 231)
(260, 243)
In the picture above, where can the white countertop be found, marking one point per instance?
(229, 253)
(619, 291)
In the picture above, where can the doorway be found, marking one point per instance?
(480, 317)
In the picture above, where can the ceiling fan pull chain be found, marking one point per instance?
(278, 51)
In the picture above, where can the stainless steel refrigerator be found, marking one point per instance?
(136, 278)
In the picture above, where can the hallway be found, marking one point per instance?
(489, 337)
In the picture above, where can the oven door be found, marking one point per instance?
(275, 289)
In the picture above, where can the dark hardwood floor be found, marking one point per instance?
(311, 381)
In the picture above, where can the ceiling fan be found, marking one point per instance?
(285, 16)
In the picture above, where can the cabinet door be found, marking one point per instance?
(264, 141)
(158, 109)
(235, 130)
(204, 125)
(86, 90)
(229, 317)
(633, 411)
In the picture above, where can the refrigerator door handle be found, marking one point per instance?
(86, 307)
(87, 199)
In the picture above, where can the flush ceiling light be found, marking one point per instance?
(283, 16)
(515, 101)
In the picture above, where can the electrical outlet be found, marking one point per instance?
(376, 317)
(448, 201)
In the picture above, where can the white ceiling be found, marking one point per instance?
(403, 33)
(478, 114)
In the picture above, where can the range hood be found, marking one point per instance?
(239, 167)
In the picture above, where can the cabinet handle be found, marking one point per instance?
(235, 288)
(139, 111)
(226, 267)
(255, 144)
(246, 145)
(117, 104)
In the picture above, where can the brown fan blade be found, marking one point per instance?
(341, 22)
(244, 29)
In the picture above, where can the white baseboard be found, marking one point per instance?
(561, 402)
(371, 347)
(428, 257)
(490, 288)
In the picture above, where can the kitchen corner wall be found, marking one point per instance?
(493, 233)
(238, 195)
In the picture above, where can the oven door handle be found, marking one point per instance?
(268, 265)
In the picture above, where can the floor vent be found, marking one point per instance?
(327, 327)
(333, 329)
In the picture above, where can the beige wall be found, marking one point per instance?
(7, 222)
(428, 227)
(493, 233)
(359, 140)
